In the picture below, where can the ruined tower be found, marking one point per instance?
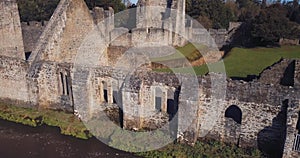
(148, 17)
(162, 14)
(11, 41)
(162, 10)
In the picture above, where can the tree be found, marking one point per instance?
(242, 3)
(272, 24)
(233, 8)
(205, 22)
(264, 4)
(215, 10)
(294, 10)
(248, 10)
(42, 10)
(36, 10)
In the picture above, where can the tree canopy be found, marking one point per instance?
(212, 13)
(40, 10)
(272, 23)
(36, 10)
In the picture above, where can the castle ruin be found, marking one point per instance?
(254, 113)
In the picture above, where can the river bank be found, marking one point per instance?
(38, 122)
(35, 142)
(68, 123)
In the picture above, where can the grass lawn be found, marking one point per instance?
(188, 51)
(241, 62)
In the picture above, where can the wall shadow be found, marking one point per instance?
(288, 76)
(173, 113)
(271, 139)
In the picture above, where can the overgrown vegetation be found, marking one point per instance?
(69, 124)
(241, 62)
(210, 149)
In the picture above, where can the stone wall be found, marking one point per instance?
(13, 84)
(31, 32)
(234, 25)
(152, 31)
(151, 17)
(140, 37)
(263, 106)
(120, 37)
(219, 36)
(104, 20)
(284, 41)
(211, 37)
(264, 113)
(53, 85)
(267, 111)
(64, 33)
(114, 53)
(11, 42)
(297, 74)
(281, 73)
(169, 15)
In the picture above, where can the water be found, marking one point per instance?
(22, 141)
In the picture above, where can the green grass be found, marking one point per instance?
(241, 62)
(69, 124)
(189, 51)
(209, 149)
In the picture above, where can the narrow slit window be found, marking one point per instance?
(105, 92)
(62, 83)
(158, 99)
(115, 97)
(67, 85)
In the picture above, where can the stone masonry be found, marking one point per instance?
(11, 42)
(260, 113)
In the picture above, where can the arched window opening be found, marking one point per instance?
(235, 113)
(158, 99)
